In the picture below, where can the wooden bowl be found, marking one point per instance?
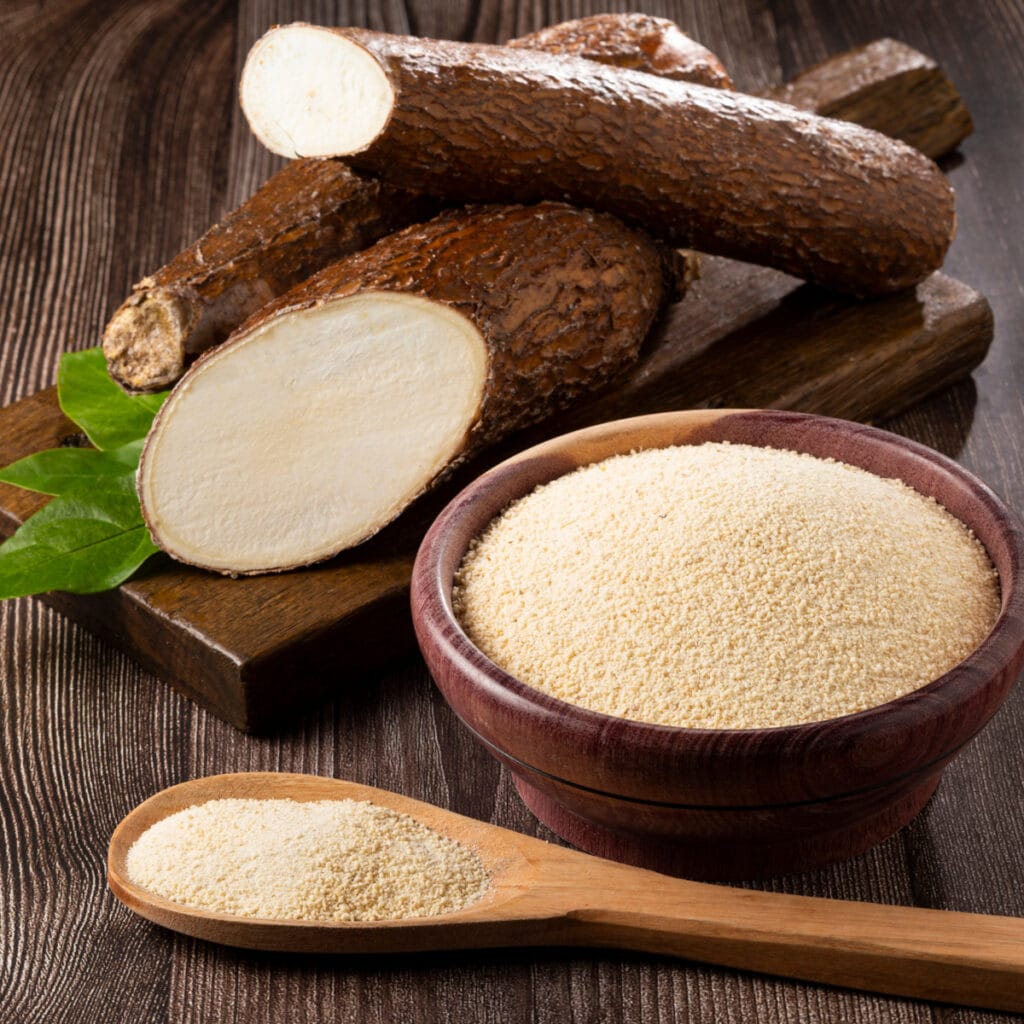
(720, 804)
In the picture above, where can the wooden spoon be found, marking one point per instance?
(545, 895)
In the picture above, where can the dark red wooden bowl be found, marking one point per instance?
(721, 803)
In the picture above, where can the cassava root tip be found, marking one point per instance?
(145, 339)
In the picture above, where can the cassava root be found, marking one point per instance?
(718, 171)
(315, 211)
(334, 407)
(321, 210)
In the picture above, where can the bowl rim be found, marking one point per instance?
(1002, 649)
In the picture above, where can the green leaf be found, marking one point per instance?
(69, 470)
(82, 543)
(92, 536)
(109, 416)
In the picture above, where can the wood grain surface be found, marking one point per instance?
(122, 142)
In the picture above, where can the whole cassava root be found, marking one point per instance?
(334, 407)
(705, 168)
(314, 212)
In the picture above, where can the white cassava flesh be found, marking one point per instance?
(308, 434)
(295, 79)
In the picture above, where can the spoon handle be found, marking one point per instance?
(945, 956)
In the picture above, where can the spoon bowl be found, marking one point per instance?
(508, 868)
(541, 894)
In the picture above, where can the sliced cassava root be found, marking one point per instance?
(285, 436)
(314, 212)
(337, 405)
(710, 169)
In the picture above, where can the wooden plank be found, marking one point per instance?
(940, 118)
(256, 649)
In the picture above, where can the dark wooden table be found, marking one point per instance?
(121, 141)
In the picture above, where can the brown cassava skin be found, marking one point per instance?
(639, 42)
(717, 171)
(316, 211)
(309, 213)
(562, 297)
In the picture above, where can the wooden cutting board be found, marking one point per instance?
(255, 650)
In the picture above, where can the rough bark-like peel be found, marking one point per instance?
(306, 215)
(638, 42)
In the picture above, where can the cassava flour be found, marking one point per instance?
(726, 586)
(325, 860)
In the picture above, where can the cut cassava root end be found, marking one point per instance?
(302, 118)
(297, 465)
(718, 171)
(336, 406)
(145, 341)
